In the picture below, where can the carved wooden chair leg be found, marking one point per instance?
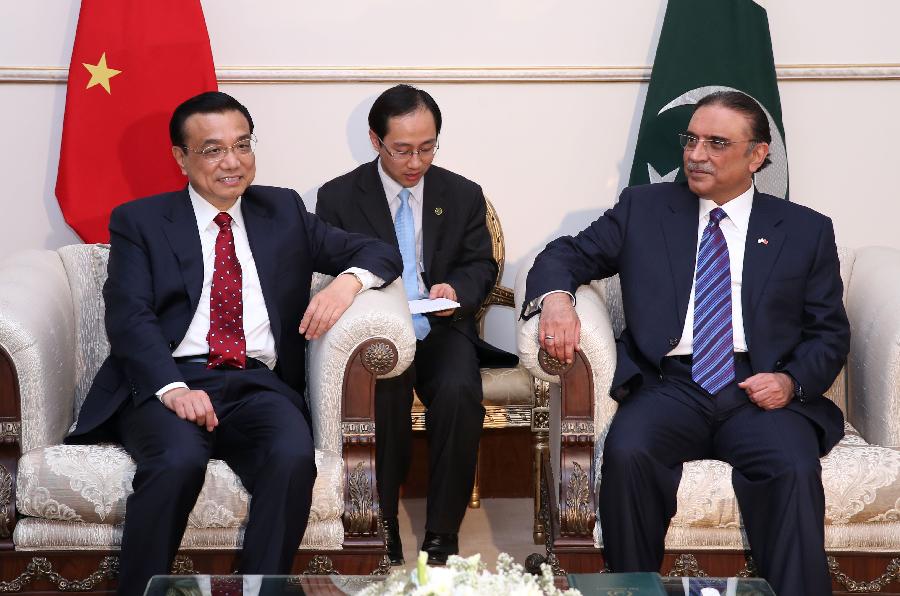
(540, 426)
(475, 499)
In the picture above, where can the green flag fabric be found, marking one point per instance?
(707, 46)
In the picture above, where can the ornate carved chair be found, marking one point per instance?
(861, 475)
(61, 506)
(513, 397)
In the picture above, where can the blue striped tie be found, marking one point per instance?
(406, 240)
(713, 361)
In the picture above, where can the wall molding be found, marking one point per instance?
(469, 74)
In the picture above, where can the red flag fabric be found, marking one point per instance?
(132, 64)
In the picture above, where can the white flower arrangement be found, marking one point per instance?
(468, 577)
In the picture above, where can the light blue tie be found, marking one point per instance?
(406, 239)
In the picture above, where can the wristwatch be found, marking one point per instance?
(799, 394)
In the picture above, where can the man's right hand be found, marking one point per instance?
(192, 405)
(560, 328)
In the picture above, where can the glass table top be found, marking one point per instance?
(340, 585)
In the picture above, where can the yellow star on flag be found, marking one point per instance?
(100, 73)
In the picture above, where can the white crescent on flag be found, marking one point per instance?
(774, 179)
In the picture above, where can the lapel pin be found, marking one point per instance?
(438, 211)
(762, 241)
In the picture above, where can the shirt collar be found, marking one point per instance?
(737, 209)
(206, 213)
(392, 188)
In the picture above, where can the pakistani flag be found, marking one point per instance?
(707, 46)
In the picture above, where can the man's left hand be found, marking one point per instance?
(443, 291)
(327, 306)
(769, 391)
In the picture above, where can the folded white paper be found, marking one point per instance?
(425, 305)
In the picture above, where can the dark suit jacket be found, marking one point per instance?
(456, 244)
(156, 276)
(794, 319)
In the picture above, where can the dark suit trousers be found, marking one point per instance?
(446, 376)
(776, 477)
(262, 436)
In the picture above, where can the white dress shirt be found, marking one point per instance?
(392, 190)
(257, 330)
(734, 228)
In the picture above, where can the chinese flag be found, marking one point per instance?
(132, 64)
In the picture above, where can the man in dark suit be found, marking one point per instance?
(437, 219)
(208, 314)
(734, 330)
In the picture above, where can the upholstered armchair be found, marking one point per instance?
(861, 475)
(62, 506)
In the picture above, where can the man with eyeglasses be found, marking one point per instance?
(735, 329)
(205, 290)
(437, 219)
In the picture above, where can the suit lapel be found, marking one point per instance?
(181, 232)
(680, 233)
(764, 243)
(373, 204)
(433, 215)
(261, 234)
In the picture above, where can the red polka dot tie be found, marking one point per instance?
(227, 345)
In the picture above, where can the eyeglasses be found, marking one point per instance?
(425, 154)
(216, 153)
(713, 146)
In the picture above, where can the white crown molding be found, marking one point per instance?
(480, 74)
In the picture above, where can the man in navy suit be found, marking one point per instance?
(208, 314)
(448, 255)
(734, 330)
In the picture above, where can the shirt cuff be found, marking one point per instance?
(368, 279)
(538, 302)
(169, 387)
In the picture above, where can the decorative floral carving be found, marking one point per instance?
(891, 574)
(40, 567)
(686, 566)
(550, 364)
(6, 506)
(183, 565)
(362, 510)
(358, 429)
(10, 432)
(577, 427)
(380, 357)
(541, 393)
(320, 565)
(578, 515)
(384, 567)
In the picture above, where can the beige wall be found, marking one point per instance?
(552, 149)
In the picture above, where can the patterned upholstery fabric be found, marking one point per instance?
(36, 330)
(86, 271)
(51, 324)
(89, 484)
(861, 480)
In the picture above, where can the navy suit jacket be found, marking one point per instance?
(456, 244)
(794, 318)
(155, 276)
